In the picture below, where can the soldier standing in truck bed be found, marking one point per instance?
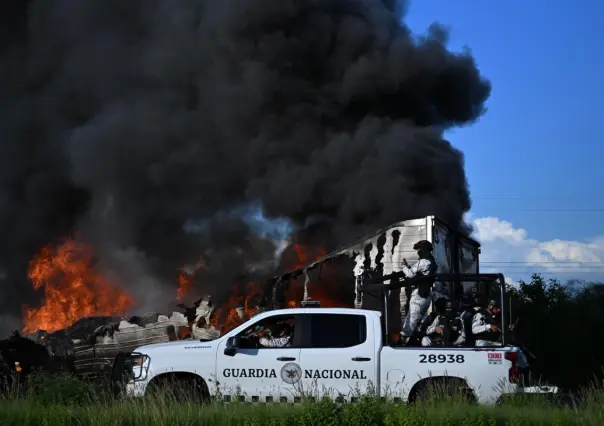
(421, 296)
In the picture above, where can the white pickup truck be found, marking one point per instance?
(334, 352)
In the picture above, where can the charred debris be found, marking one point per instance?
(89, 346)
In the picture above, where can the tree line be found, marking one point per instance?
(561, 325)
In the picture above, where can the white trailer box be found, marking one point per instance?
(383, 252)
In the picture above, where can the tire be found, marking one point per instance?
(178, 388)
(431, 389)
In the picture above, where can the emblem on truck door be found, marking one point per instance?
(291, 373)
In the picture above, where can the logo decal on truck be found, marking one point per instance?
(291, 373)
(495, 358)
(441, 359)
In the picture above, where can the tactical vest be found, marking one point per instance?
(424, 288)
(489, 334)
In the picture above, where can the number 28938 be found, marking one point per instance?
(441, 359)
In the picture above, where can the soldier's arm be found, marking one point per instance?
(479, 325)
(422, 266)
(432, 328)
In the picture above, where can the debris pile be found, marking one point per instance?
(89, 346)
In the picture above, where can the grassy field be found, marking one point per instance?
(68, 401)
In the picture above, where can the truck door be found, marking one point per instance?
(338, 356)
(257, 373)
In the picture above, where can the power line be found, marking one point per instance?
(556, 262)
(570, 267)
(534, 271)
(534, 197)
(562, 210)
(499, 211)
(528, 267)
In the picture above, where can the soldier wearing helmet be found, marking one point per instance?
(421, 292)
(484, 324)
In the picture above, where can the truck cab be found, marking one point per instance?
(334, 352)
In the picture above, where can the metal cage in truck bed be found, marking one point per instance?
(382, 254)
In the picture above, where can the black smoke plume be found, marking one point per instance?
(120, 121)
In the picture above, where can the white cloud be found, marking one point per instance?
(511, 251)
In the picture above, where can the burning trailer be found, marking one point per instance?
(381, 255)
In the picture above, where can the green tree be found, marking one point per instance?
(560, 324)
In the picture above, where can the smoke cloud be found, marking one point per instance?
(122, 121)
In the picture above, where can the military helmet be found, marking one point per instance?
(493, 302)
(423, 245)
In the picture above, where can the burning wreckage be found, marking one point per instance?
(89, 346)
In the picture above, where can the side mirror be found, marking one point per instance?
(232, 344)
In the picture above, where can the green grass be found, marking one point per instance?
(69, 401)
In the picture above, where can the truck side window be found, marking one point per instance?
(337, 330)
(272, 332)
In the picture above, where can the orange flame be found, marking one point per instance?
(73, 288)
(305, 255)
(185, 285)
(318, 292)
(226, 317)
(186, 280)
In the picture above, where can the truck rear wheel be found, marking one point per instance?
(439, 388)
(178, 387)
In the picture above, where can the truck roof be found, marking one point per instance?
(293, 311)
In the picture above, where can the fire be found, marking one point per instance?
(242, 304)
(306, 255)
(317, 291)
(238, 308)
(186, 279)
(73, 288)
(185, 285)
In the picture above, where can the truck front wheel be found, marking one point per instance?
(178, 387)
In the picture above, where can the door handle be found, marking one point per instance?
(360, 359)
(286, 358)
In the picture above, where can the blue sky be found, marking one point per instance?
(542, 135)
(540, 144)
